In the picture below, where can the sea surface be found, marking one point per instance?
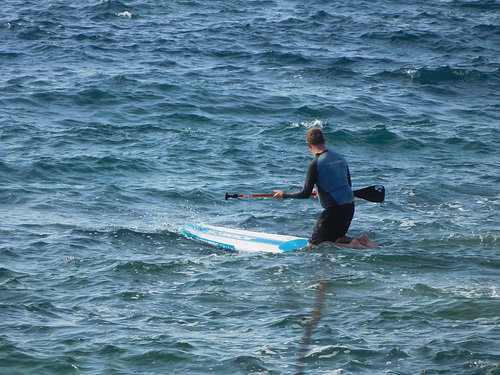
(120, 121)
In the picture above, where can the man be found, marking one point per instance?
(330, 172)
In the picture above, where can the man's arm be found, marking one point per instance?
(311, 177)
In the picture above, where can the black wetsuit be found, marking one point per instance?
(330, 173)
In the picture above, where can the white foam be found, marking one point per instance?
(125, 14)
(310, 124)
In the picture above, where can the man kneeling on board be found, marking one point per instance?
(330, 172)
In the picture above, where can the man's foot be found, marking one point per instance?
(362, 242)
(367, 242)
(357, 244)
(353, 244)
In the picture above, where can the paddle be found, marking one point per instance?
(374, 193)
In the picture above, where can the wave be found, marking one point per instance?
(285, 58)
(475, 189)
(246, 364)
(11, 55)
(413, 36)
(379, 136)
(121, 233)
(109, 9)
(483, 5)
(91, 96)
(8, 275)
(150, 269)
(76, 168)
(442, 74)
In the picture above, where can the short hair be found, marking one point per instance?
(315, 137)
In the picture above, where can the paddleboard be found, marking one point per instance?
(242, 240)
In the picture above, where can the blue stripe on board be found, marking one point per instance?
(237, 236)
(210, 242)
(293, 244)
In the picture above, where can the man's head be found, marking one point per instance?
(315, 137)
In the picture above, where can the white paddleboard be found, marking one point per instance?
(242, 240)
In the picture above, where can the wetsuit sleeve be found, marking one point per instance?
(349, 177)
(311, 177)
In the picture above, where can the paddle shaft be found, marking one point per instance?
(265, 195)
(375, 193)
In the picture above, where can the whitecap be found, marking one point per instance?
(310, 124)
(125, 14)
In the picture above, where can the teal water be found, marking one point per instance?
(121, 121)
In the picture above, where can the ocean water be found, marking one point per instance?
(122, 120)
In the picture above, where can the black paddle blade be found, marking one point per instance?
(231, 196)
(375, 193)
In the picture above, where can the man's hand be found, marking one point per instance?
(278, 194)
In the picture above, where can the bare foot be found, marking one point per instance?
(367, 242)
(354, 244)
(362, 242)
